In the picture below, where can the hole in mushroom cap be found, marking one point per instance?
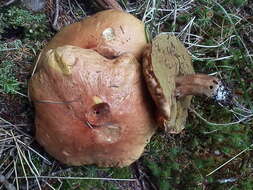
(101, 109)
(215, 82)
(99, 114)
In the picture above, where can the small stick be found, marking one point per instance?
(56, 102)
(221, 166)
(8, 3)
(109, 4)
(6, 183)
(84, 13)
(71, 11)
(56, 15)
(77, 178)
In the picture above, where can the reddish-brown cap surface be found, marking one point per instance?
(90, 109)
(111, 33)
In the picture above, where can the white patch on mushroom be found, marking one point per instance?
(47, 135)
(108, 133)
(98, 25)
(65, 153)
(97, 100)
(221, 93)
(108, 34)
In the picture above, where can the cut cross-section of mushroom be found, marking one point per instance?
(171, 81)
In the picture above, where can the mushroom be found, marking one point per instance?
(110, 33)
(93, 97)
(89, 92)
(171, 81)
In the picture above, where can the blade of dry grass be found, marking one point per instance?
(230, 160)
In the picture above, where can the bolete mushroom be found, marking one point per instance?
(110, 33)
(171, 81)
(91, 100)
(89, 92)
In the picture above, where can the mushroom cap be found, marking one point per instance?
(90, 109)
(163, 61)
(110, 33)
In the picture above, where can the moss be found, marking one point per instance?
(30, 25)
(8, 81)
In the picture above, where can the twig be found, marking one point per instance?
(8, 3)
(142, 178)
(33, 72)
(212, 46)
(46, 160)
(21, 160)
(19, 93)
(79, 6)
(36, 65)
(109, 4)
(6, 183)
(229, 160)
(221, 124)
(16, 128)
(9, 49)
(55, 102)
(16, 173)
(17, 125)
(238, 36)
(56, 15)
(77, 178)
(71, 10)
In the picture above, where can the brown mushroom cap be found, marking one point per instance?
(90, 109)
(110, 33)
(163, 62)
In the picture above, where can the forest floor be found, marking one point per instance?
(213, 152)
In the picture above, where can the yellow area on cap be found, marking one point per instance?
(61, 59)
(97, 100)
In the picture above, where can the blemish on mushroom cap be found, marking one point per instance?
(66, 153)
(108, 133)
(97, 100)
(108, 34)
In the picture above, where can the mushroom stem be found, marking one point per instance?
(196, 84)
(201, 84)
